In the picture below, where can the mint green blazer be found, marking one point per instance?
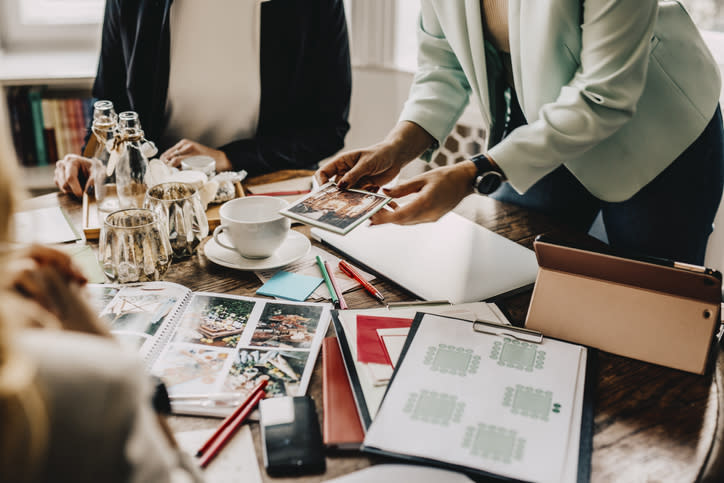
(615, 99)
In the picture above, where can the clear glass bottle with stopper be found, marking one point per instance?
(130, 159)
(105, 125)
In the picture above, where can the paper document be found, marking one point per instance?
(236, 458)
(487, 402)
(346, 322)
(54, 224)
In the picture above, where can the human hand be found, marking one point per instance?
(73, 174)
(438, 191)
(187, 148)
(49, 278)
(367, 168)
(372, 167)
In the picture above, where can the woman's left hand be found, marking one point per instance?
(49, 278)
(187, 148)
(438, 191)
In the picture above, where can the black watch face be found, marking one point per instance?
(488, 182)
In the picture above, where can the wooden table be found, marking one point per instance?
(651, 423)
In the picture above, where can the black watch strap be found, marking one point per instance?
(488, 177)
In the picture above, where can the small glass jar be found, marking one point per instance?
(105, 124)
(133, 246)
(182, 215)
(132, 163)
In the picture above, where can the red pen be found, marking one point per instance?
(226, 434)
(350, 271)
(231, 420)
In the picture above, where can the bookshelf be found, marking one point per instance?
(61, 75)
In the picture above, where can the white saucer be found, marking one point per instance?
(294, 247)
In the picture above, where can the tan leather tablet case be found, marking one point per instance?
(664, 314)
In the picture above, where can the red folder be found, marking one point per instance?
(369, 346)
(341, 428)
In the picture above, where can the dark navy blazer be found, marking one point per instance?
(305, 78)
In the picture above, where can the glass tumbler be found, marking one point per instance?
(179, 208)
(133, 246)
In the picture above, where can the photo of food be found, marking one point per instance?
(214, 321)
(188, 369)
(138, 310)
(283, 369)
(334, 209)
(287, 326)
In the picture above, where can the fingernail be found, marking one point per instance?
(343, 185)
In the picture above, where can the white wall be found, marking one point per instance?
(377, 99)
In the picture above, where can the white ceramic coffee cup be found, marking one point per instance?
(253, 225)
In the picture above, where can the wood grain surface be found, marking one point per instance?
(651, 423)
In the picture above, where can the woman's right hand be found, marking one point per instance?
(367, 168)
(73, 174)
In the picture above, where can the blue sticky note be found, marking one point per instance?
(290, 286)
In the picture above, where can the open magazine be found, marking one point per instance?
(211, 349)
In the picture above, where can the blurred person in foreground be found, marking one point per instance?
(74, 407)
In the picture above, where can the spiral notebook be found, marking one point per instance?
(210, 349)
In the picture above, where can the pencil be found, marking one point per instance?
(342, 303)
(226, 422)
(327, 281)
(229, 431)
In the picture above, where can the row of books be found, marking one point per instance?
(46, 125)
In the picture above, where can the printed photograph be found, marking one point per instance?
(286, 326)
(214, 321)
(188, 369)
(139, 310)
(337, 210)
(283, 369)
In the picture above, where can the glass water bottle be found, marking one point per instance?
(132, 162)
(105, 124)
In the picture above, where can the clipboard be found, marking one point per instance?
(654, 310)
(362, 400)
(585, 447)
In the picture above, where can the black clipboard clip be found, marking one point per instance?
(494, 328)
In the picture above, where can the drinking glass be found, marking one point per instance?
(133, 246)
(181, 213)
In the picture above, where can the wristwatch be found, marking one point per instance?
(488, 177)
